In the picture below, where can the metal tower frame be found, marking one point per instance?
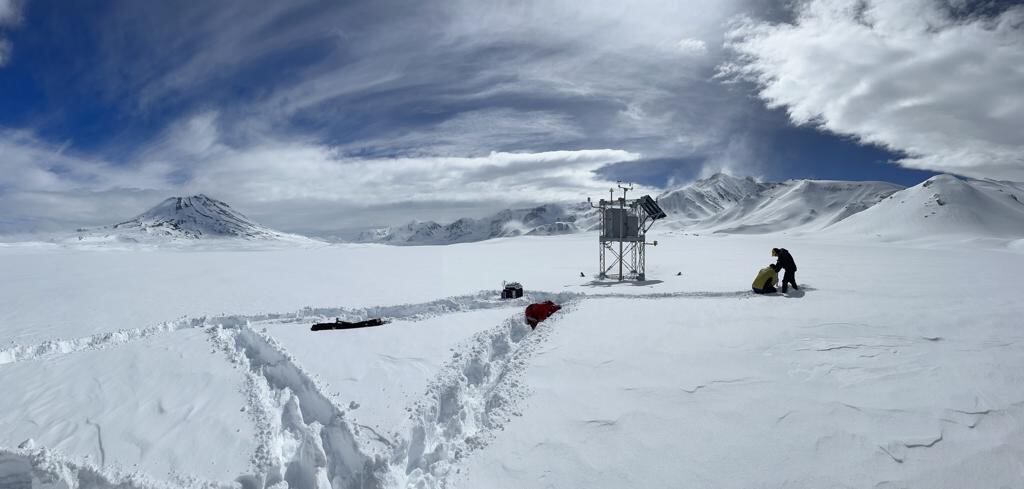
(624, 226)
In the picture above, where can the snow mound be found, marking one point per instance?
(43, 469)
(944, 205)
(191, 218)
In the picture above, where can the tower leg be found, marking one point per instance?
(620, 261)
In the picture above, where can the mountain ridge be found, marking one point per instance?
(544, 220)
(720, 203)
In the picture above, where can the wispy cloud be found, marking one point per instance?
(5, 51)
(692, 47)
(10, 12)
(392, 103)
(381, 70)
(928, 78)
(275, 175)
(10, 16)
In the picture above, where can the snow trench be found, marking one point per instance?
(304, 439)
(51, 348)
(473, 396)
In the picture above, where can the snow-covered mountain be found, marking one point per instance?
(706, 198)
(793, 205)
(944, 205)
(537, 221)
(718, 204)
(189, 218)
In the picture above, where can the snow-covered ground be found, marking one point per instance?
(895, 365)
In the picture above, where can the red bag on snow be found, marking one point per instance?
(536, 313)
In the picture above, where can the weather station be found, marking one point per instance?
(623, 237)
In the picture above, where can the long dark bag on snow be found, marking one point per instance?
(339, 324)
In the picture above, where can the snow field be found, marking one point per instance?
(59, 294)
(893, 366)
(304, 437)
(153, 405)
(742, 393)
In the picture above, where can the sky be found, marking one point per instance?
(318, 116)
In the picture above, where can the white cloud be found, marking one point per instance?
(692, 47)
(464, 133)
(29, 164)
(282, 171)
(909, 75)
(10, 12)
(290, 182)
(584, 59)
(44, 189)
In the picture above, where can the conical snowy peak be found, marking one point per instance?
(191, 218)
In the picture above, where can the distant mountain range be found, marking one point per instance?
(942, 205)
(537, 221)
(726, 204)
(721, 203)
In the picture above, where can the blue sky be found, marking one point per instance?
(322, 115)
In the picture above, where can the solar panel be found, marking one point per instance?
(651, 207)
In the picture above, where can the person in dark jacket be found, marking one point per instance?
(786, 262)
